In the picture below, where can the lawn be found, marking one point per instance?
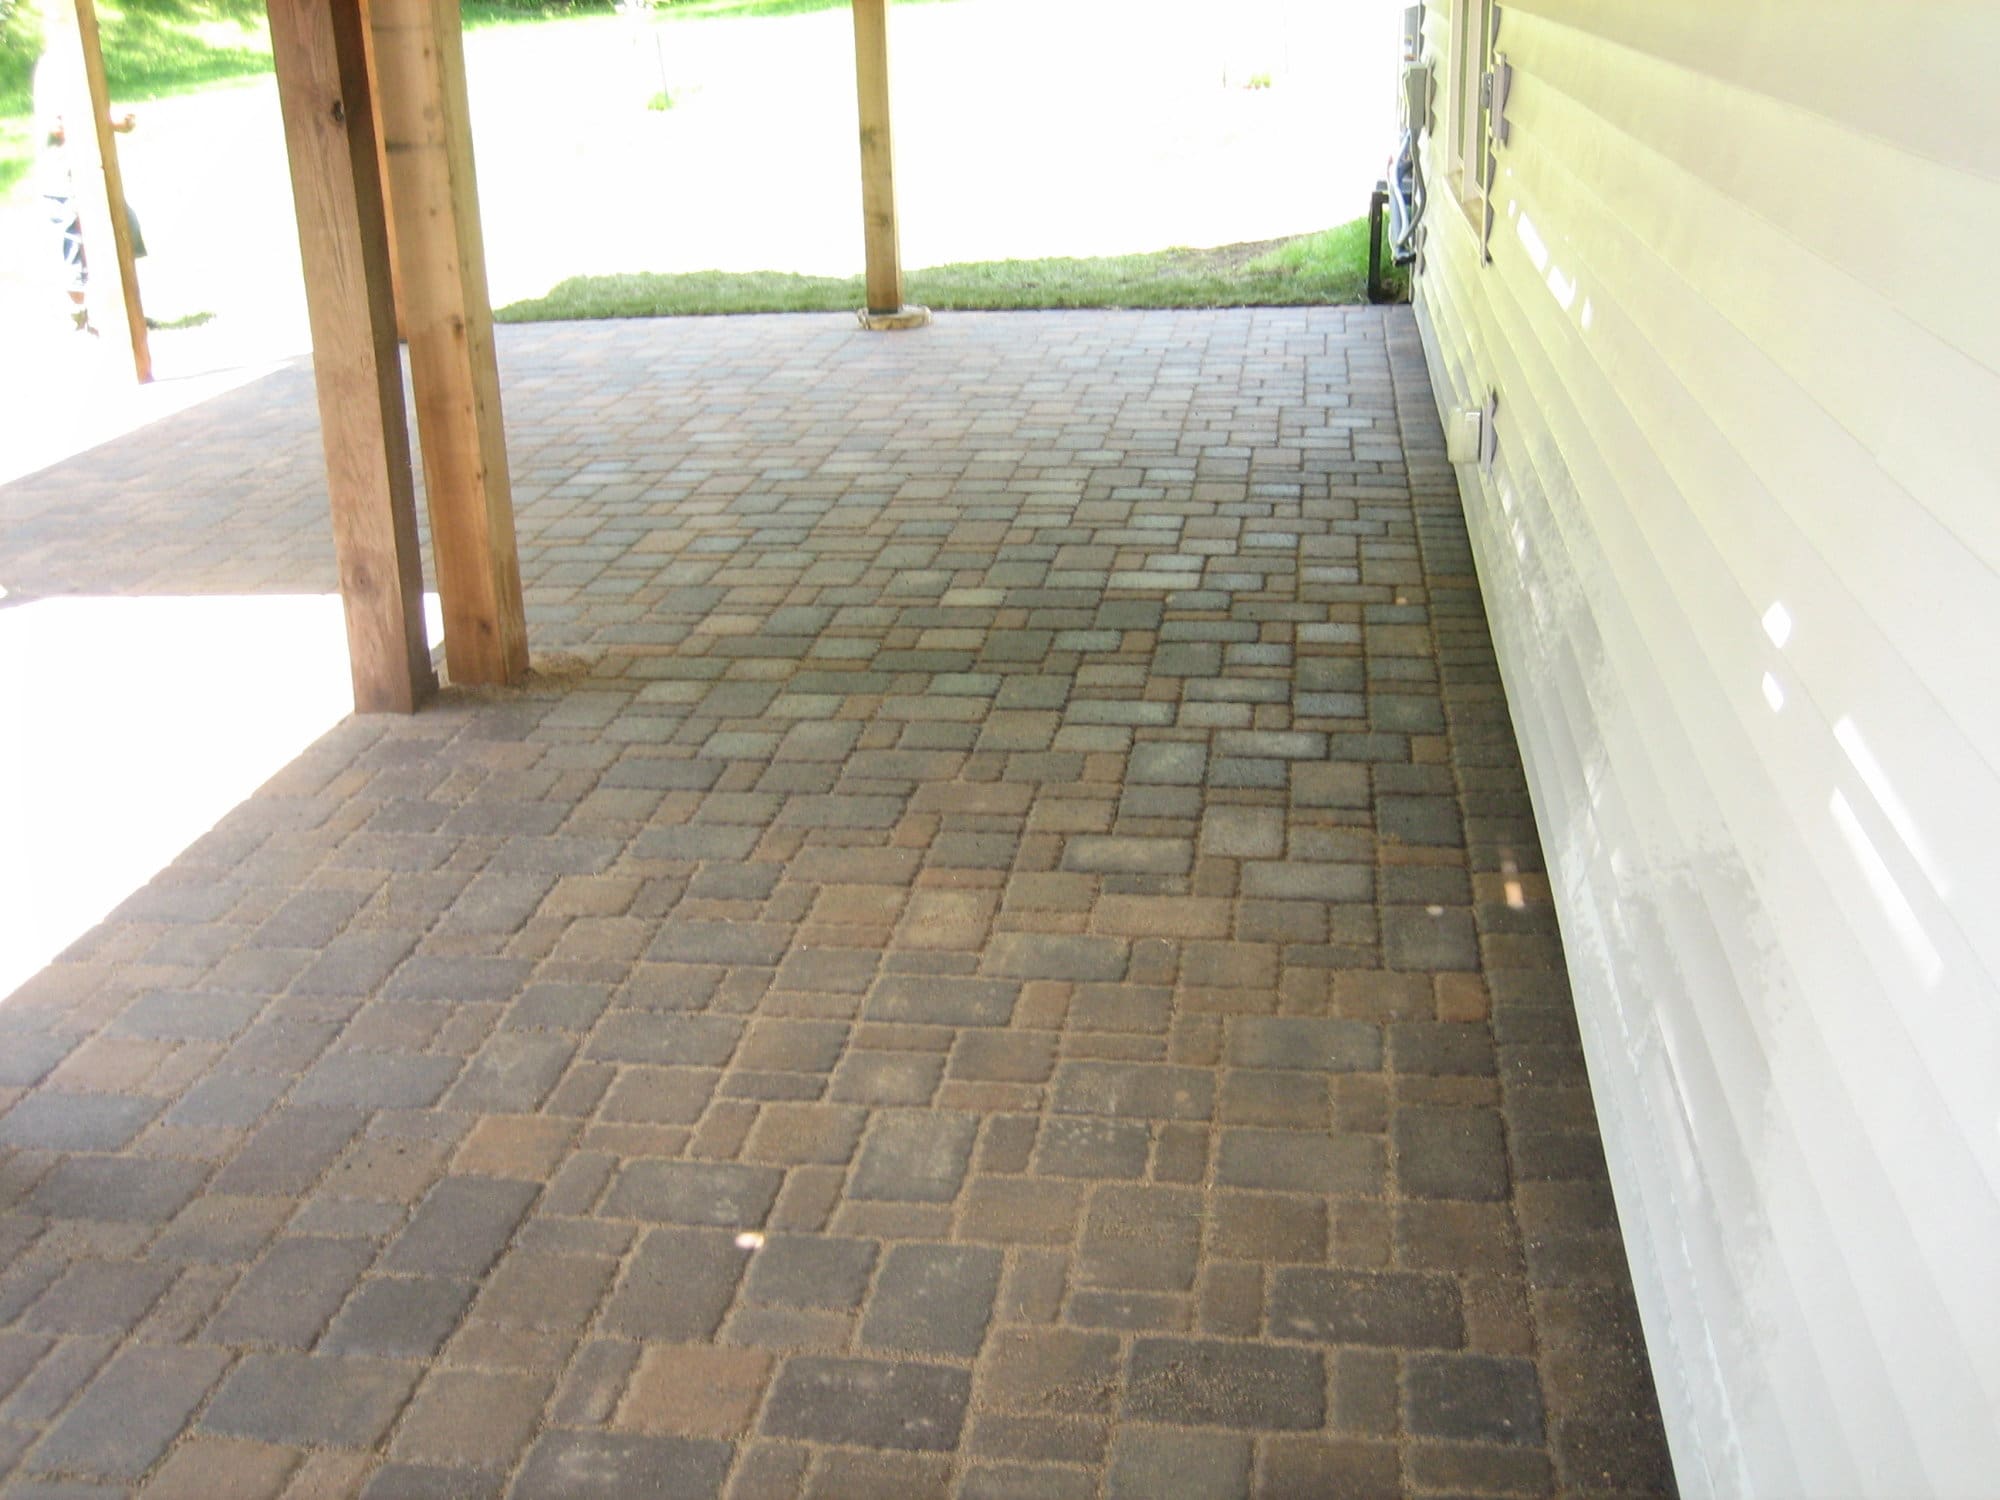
(1331, 266)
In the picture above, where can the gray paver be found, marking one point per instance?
(1123, 1089)
(871, 1403)
(1081, 1146)
(810, 1271)
(611, 1466)
(1141, 1238)
(309, 1400)
(640, 1037)
(289, 1151)
(1450, 1153)
(914, 1156)
(1474, 1398)
(118, 1189)
(189, 1017)
(99, 1297)
(432, 1482)
(1057, 956)
(20, 1353)
(677, 1285)
(1049, 1370)
(398, 1317)
(288, 1296)
(1417, 937)
(49, 1121)
(943, 1000)
(1316, 1045)
(1148, 1462)
(27, 1060)
(512, 1073)
(1124, 855)
(1209, 1382)
(1395, 1309)
(461, 1227)
(556, 1292)
(132, 1411)
(716, 1193)
(471, 1419)
(1294, 1162)
(933, 1299)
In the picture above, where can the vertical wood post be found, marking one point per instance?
(441, 257)
(317, 53)
(878, 172)
(382, 160)
(96, 181)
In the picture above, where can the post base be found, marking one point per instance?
(902, 317)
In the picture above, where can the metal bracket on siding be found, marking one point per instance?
(1486, 211)
(1489, 433)
(1498, 84)
(1493, 94)
(1417, 96)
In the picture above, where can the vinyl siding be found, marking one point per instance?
(1741, 555)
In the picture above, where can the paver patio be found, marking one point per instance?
(1002, 954)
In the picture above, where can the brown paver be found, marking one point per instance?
(1002, 952)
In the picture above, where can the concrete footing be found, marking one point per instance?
(902, 317)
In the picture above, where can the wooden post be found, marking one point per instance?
(95, 180)
(317, 53)
(885, 307)
(440, 253)
(382, 160)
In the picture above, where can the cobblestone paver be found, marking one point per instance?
(1003, 953)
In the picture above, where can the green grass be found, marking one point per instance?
(20, 45)
(173, 46)
(476, 14)
(17, 153)
(1328, 267)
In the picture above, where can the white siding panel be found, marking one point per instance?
(1826, 329)
(1772, 832)
(1740, 521)
(1719, 1060)
(1915, 74)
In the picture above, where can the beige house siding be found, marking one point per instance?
(1741, 552)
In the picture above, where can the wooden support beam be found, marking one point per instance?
(382, 159)
(878, 173)
(440, 254)
(74, 47)
(317, 52)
